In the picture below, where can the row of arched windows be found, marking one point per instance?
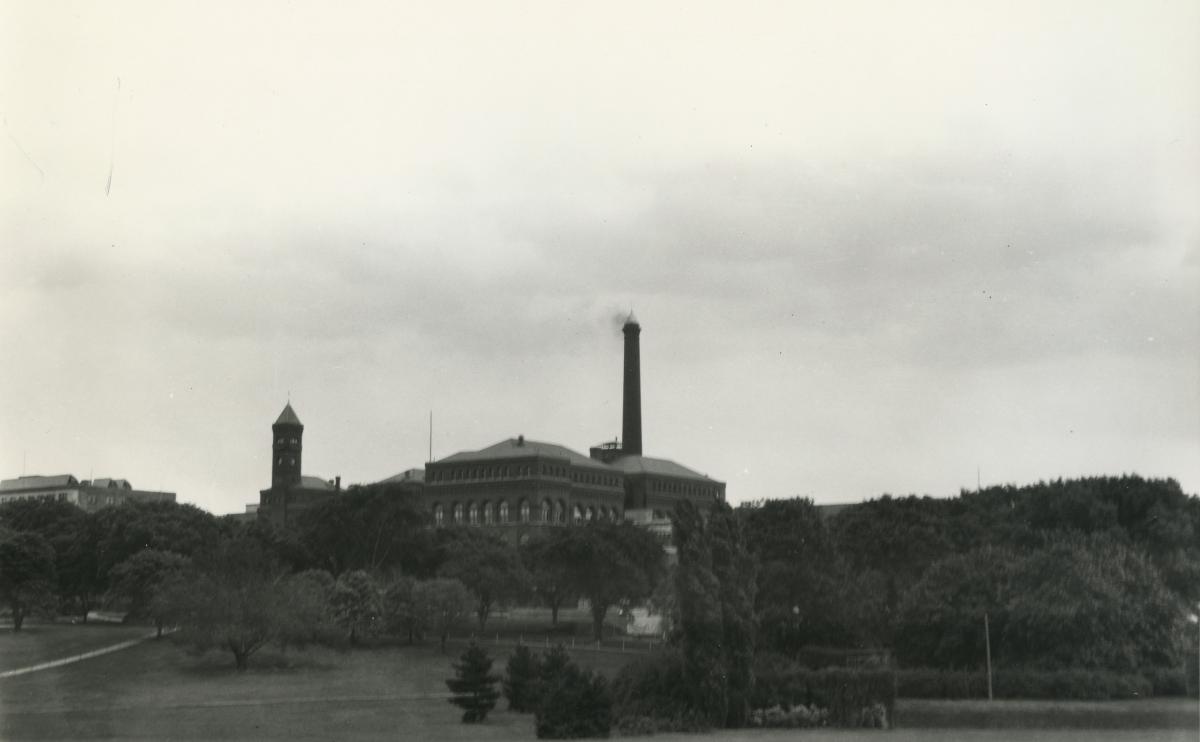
(488, 513)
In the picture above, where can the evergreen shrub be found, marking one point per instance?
(521, 680)
(474, 685)
(575, 705)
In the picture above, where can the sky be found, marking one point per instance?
(874, 247)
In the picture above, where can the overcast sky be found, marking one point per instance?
(874, 247)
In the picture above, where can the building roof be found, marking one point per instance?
(315, 483)
(631, 320)
(288, 417)
(108, 483)
(661, 467)
(521, 448)
(408, 475)
(36, 481)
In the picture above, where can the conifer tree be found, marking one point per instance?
(474, 685)
(737, 572)
(521, 680)
(702, 631)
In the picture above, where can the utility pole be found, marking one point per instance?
(430, 459)
(987, 643)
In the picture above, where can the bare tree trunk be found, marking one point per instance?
(598, 613)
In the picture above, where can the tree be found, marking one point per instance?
(607, 563)
(1091, 602)
(550, 580)
(69, 531)
(124, 530)
(474, 685)
(400, 612)
(897, 538)
(521, 679)
(371, 528)
(26, 575)
(487, 565)
(736, 572)
(238, 598)
(310, 595)
(442, 604)
(144, 579)
(701, 630)
(355, 602)
(940, 621)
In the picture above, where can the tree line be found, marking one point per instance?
(1089, 573)
(361, 565)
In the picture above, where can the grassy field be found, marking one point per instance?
(36, 643)
(154, 691)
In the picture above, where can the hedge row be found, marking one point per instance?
(848, 695)
(1041, 684)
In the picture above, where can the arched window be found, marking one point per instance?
(591, 513)
(562, 512)
(503, 512)
(473, 514)
(524, 511)
(488, 514)
(545, 511)
(438, 514)
(458, 513)
(576, 514)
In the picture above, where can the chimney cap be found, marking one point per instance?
(631, 320)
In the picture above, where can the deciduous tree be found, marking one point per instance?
(26, 575)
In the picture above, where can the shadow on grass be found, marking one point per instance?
(216, 664)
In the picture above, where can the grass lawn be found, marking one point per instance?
(42, 642)
(154, 691)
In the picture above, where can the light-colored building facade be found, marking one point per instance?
(91, 495)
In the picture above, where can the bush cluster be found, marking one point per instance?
(796, 716)
(851, 697)
(651, 695)
(567, 701)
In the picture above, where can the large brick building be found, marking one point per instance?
(518, 485)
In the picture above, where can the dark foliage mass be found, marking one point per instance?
(574, 704)
(1093, 573)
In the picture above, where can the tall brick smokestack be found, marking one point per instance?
(631, 423)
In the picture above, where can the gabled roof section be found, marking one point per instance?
(520, 448)
(659, 467)
(37, 481)
(108, 483)
(288, 417)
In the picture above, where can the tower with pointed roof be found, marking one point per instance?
(287, 443)
(291, 492)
